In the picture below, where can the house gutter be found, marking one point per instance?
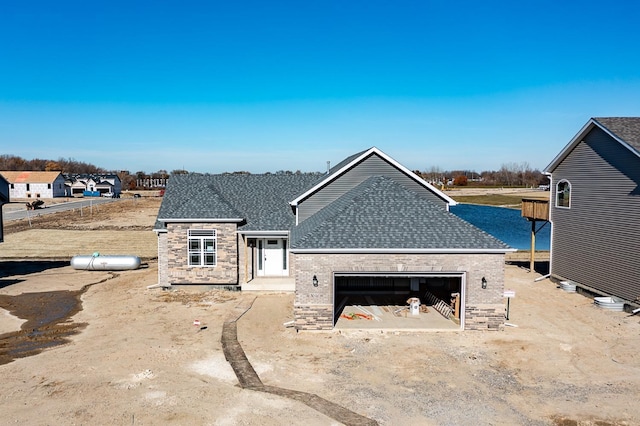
(403, 251)
(202, 220)
(256, 234)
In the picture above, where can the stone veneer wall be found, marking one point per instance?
(484, 308)
(485, 317)
(242, 258)
(226, 270)
(163, 278)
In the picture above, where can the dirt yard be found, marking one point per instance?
(138, 359)
(121, 227)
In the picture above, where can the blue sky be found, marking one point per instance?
(214, 86)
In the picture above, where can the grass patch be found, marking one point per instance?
(491, 200)
(511, 200)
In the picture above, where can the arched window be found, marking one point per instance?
(563, 194)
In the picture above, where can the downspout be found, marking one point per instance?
(551, 204)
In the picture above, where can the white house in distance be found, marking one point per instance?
(28, 184)
(93, 185)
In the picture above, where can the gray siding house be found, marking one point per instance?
(369, 225)
(595, 208)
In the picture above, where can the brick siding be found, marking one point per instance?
(484, 308)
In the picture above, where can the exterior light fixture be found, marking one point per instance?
(484, 282)
(315, 281)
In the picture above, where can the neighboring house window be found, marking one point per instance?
(28, 187)
(202, 247)
(48, 186)
(563, 194)
(11, 186)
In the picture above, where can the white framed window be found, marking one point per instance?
(563, 194)
(202, 247)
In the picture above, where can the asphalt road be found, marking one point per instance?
(14, 212)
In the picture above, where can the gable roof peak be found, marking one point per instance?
(346, 164)
(624, 130)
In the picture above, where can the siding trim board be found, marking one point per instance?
(258, 234)
(201, 220)
(578, 138)
(333, 175)
(355, 175)
(408, 251)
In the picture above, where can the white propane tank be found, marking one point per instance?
(97, 262)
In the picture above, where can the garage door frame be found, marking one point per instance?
(405, 274)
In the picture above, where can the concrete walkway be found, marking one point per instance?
(249, 379)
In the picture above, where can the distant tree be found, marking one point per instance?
(127, 180)
(460, 180)
(160, 174)
(37, 164)
(71, 166)
(179, 172)
(52, 166)
(12, 162)
(434, 175)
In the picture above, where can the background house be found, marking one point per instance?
(368, 228)
(92, 184)
(595, 208)
(27, 184)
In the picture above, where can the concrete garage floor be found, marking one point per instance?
(384, 318)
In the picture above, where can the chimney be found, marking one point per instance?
(328, 166)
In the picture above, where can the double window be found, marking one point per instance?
(563, 194)
(202, 246)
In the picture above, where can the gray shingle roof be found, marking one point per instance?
(626, 128)
(346, 161)
(258, 202)
(381, 214)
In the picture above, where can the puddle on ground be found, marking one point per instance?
(48, 322)
(47, 314)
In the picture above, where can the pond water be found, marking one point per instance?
(505, 224)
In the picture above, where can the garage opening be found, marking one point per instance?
(399, 301)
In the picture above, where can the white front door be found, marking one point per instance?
(273, 253)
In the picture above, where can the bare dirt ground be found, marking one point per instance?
(121, 227)
(138, 359)
(520, 192)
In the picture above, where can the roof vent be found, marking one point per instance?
(328, 166)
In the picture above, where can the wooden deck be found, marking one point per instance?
(535, 209)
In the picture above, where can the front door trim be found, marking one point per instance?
(273, 257)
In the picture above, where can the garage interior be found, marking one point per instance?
(388, 301)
